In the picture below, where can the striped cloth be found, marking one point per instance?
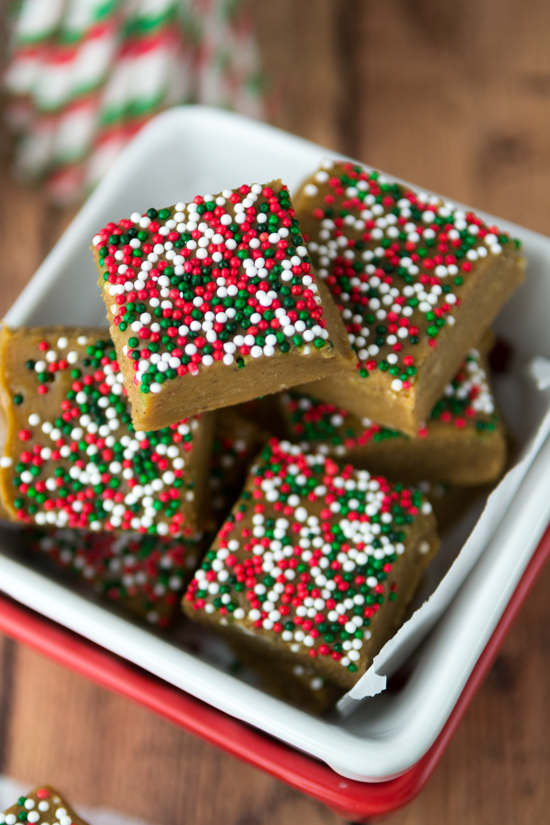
(83, 76)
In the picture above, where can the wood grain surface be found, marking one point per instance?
(453, 96)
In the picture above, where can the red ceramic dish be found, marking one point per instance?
(356, 801)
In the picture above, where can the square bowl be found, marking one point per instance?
(190, 150)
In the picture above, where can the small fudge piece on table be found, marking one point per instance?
(41, 806)
(71, 457)
(214, 302)
(316, 563)
(416, 279)
(462, 443)
(145, 575)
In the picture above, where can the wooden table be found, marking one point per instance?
(454, 96)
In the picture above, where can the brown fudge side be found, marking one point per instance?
(236, 443)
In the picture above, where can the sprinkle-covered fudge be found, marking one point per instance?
(41, 806)
(71, 456)
(214, 302)
(462, 443)
(145, 575)
(316, 563)
(417, 280)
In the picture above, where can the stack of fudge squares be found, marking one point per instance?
(286, 393)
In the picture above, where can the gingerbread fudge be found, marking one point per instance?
(214, 302)
(462, 443)
(316, 563)
(416, 279)
(71, 456)
(41, 806)
(145, 575)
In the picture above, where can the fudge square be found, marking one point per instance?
(144, 575)
(71, 456)
(316, 563)
(416, 279)
(41, 806)
(462, 443)
(214, 302)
